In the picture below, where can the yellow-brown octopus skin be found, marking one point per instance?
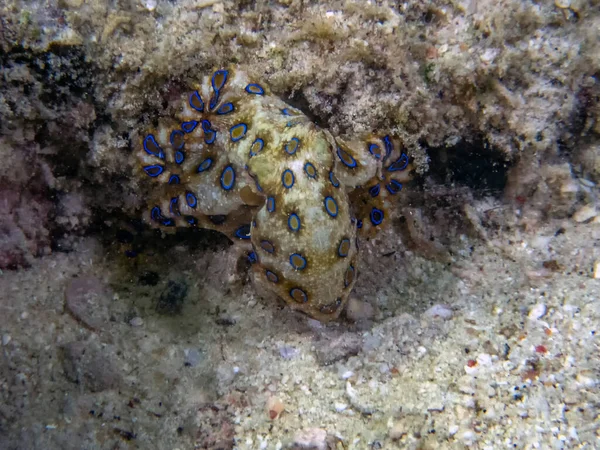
(241, 161)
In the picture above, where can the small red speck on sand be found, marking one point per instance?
(520, 199)
(471, 363)
(541, 349)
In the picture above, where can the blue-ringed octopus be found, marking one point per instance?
(238, 159)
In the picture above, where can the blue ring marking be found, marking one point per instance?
(154, 170)
(372, 151)
(297, 291)
(400, 164)
(252, 258)
(174, 179)
(271, 204)
(255, 89)
(213, 79)
(330, 210)
(267, 246)
(218, 219)
(191, 199)
(179, 156)
(308, 167)
(289, 185)
(359, 224)
(295, 142)
(294, 216)
(168, 223)
(394, 187)
(302, 261)
(228, 170)
(190, 126)
(175, 133)
(210, 136)
(376, 216)
(341, 251)
(205, 165)
(173, 206)
(159, 152)
(349, 271)
(225, 108)
(271, 276)
(285, 112)
(342, 154)
(389, 147)
(333, 179)
(196, 101)
(192, 221)
(155, 213)
(259, 143)
(244, 128)
(374, 191)
(243, 232)
(206, 125)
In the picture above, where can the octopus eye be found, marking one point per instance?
(177, 139)
(228, 178)
(152, 148)
(243, 232)
(394, 187)
(376, 216)
(225, 108)
(375, 150)
(344, 247)
(255, 89)
(298, 261)
(400, 164)
(271, 204)
(238, 131)
(331, 206)
(196, 102)
(292, 146)
(298, 295)
(219, 79)
(190, 126)
(191, 199)
(154, 170)
(374, 191)
(346, 158)
(310, 170)
(174, 179)
(287, 178)
(294, 222)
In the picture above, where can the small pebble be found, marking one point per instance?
(597, 270)
(397, 431)
(311, 438)
(537, 312)
(439, 311)
(136, 322)
(274, 407)
(192, 357)
(6, 339)
(562, 4)
(88, 299)
(288, 352)
(359, 310)
(585, 213)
